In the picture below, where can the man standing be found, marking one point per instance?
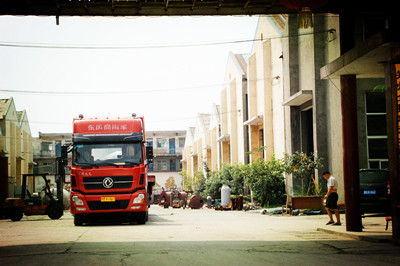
(332, 198)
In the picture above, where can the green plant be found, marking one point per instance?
(302, 167)
(266, 180)
(199, 183)
(186, 180)
(213, 185)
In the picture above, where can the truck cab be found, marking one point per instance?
(109, 171)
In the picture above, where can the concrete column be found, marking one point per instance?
(393, 129)
(350, 152)
(268, 110)
(233, 123)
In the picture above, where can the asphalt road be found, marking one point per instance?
(187, 237)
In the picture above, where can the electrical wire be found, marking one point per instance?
(124, 92)
(150, 46)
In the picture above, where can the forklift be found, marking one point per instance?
(44, 204)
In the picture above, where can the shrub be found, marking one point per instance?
(266, 180)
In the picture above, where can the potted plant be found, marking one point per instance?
(306, 191)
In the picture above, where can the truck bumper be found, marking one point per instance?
(87, 204)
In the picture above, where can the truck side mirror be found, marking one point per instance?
(149, 154)
(64, 154)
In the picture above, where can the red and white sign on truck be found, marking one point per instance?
(109, 171)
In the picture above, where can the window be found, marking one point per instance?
(161, 143)
(107, 154)
(181, 142)
(376, 130)
(47, 146)
(162, 165)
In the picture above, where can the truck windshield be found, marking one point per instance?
(107, 154)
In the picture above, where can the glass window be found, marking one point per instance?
(181, 142)
(375, 102)
(162, 165)
(376, 125)
(375, 109)
(106, 154)
(161, 143)
(377, 148)
(47, 146)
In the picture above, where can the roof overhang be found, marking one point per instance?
(365, 60)
(152, 8)
(299, 98)
(225, 137)
(254, 121)
(207, 147)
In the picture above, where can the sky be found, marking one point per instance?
(167, 69)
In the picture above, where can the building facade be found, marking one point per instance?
(286, 96)
(16, 150)
(46, 148)
(167, 162)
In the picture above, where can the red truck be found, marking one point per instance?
(109, 171)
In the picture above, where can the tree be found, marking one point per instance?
(199, 183)
(186, 180)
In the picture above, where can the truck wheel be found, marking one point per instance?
(16, 215)
(142, 217)
(54, 211)
(78, 219)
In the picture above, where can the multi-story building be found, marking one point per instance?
(167, 149)
(16, 153)
(46, 148)
(234, 134)
(305, 89)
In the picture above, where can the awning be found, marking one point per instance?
(224, 137)
(365, 60)
(299, 98)
(254, 121)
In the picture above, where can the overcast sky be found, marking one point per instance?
(167, 69)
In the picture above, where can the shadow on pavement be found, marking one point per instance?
(202, 253)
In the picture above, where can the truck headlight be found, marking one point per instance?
(77, 200)
(138, 199)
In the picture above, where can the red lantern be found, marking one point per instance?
(304, 7)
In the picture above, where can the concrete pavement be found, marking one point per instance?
(374, 228)
(195, 237)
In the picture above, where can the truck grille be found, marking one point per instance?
(91, 183)
(116, 205)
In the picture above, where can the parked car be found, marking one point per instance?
(375, 191)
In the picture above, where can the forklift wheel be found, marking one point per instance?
(16, 215)
(54, 211)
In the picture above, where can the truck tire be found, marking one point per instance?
(54, 211)
(78, 219)
(142, 217)
(16, 214)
